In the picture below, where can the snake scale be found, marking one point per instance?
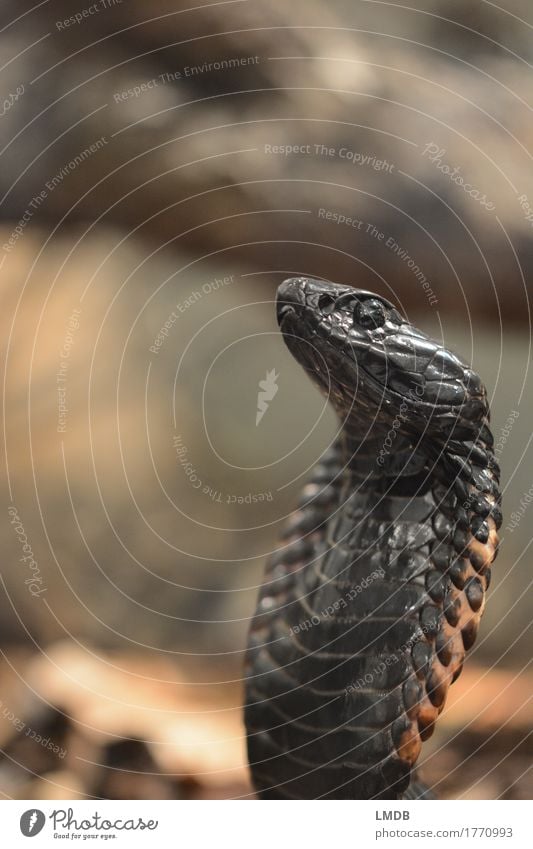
(373, 598)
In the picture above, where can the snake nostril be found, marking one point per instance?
(285, 308)
(326, 302)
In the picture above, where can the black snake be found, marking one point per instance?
(367, 609)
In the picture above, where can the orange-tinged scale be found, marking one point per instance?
(427, 716)
(410, 745)
(453, 637)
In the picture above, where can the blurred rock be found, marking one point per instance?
(125, 727)
(390, 108)
(137, 729)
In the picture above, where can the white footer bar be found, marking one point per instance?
(268, 825)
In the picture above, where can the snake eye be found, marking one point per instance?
(370, 314)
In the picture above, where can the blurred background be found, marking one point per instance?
(163, 167)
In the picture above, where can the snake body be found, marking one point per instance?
(376, 593)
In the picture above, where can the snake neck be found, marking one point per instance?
(389, 476)
(382, 463)
(461, 456)
(456, 466)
